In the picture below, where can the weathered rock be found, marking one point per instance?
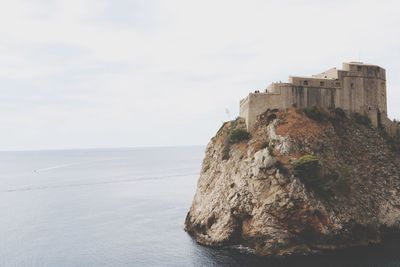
(254, 199)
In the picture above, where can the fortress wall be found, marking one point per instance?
(314, 82)
(304, 96)
(285, 96)
(364, 91)
(361, 70)
(391, 127)
(371, 90)
(244, 108)
(351, 96)
(321, 97)
(274, 88)
(358, 88)
(382, 97)
(258, 103)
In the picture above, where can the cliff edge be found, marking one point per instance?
(300, 181)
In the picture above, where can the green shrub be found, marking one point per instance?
(307, 164)
(323, 182)
(234, 134)
(238, 135)
(316, 114)
(307, 168)
(362, 119)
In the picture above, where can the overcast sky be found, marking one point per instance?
(125, 73)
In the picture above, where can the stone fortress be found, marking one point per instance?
(358, 87)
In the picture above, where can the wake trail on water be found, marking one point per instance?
(46, 187)
(73, 164)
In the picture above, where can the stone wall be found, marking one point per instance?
(357, 88)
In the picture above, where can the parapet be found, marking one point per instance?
(360, 69)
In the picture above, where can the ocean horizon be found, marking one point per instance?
(121, 207)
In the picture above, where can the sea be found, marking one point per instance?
(123, 207)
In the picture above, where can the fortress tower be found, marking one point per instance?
(357, 87)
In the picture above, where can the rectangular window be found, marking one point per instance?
(337, 84)
(321, 83)
(359, 68)
(305, 82)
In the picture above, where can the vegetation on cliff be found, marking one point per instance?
(235, 133)
(300, 181)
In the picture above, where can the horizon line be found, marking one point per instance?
(100, 148)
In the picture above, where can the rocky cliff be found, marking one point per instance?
(300, 181)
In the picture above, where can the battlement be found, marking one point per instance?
(357, 87)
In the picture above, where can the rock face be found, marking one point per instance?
(297, 185)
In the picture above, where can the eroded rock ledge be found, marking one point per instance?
(296, 185)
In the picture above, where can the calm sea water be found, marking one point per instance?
(121, 207)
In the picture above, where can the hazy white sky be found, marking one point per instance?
(123, 73)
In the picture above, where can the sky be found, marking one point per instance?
(128, 73)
